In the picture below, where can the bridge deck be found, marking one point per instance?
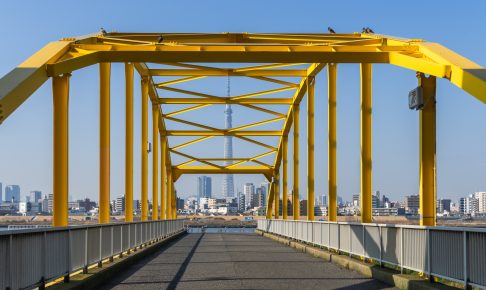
(236, 261)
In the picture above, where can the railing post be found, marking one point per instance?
(465, 260)
(401, 250)
(100, 261)
(429, 261)
(112, 248)
(381, 245)
(68, 258)
(85, 268)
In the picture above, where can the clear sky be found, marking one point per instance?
(26, 136)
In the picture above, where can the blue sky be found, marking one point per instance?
(26, 136)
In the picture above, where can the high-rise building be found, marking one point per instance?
(180, 204)
(321, 200)
(203, 187)
(259, 199)
(120, 205)
(469, 205)
(35, 195)
(249, 192)
(355, 199)
(1, 192)
(443, 205)
(412, 203)
(12, 193)
(228, 181)
(481, 197)
(241, 202)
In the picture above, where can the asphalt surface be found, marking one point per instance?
(236, 261)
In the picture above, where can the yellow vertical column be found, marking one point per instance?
(366, 126)
(174, 202)
(295, 192)
(104, 206)
(169, 193)
(277, 196)
(129, 142)
(427, 152)
(310, 148)
(60, 93)
(332, 144)
(144, 169)
(270, 197)
(155, 162)
(163, 185)
(285, 177)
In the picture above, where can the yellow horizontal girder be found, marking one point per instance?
(228, 72)
(179, 170)
(222, 101)
(222, 133)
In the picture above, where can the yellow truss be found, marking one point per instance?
(281, 56)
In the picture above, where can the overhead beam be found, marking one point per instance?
(222, 133)
(227, 72)
(252, 101)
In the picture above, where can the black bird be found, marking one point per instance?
(103, 31)
(369, 30)
(364, 30)
(160, 39)
(331, 30)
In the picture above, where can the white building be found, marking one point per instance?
(481, 197)
(249, 192)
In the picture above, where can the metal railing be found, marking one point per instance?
(30, 258)
(453, 253)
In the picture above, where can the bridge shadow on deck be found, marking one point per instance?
(236, 261)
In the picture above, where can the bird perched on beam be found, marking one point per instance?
(367, 30)
(160, 39)
(103, 31)
(331, 30)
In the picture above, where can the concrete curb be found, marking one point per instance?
(388, 276)
(97, 276)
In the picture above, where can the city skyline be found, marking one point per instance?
(27, 153)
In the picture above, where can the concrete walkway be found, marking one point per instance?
(236, 261)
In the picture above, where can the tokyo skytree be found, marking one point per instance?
(228, 183)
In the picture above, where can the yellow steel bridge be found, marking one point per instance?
(188, 57)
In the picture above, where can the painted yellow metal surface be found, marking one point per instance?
(310, 148)
(155, 162)
(332, 143)
(129, 142)
(366, 142)
(60, 89)
(427, 152)
(279, 59)
(104, 198)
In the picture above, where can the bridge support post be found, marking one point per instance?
(60, 92)
(169, 193)
(174, 202)
(270, 197)
(277, 196)
(285, 197)
(104, 206)
(366, 126)
(332, 144)
(427, 152)
(155, 162)
(144, 159)
(163, 185)
(310, 148)
(295, 192)
(129, 142)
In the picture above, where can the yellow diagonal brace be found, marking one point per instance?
(191, 142)
(251, 159)
(186, 163)
(271, 80)
(178, 81)
(256, 124)
(265, 66)
(264, 110)
(262, 93)
(188, 92)
(191, 123)
(255, 142)
(187, 110)
(254, 101)
(195, 158)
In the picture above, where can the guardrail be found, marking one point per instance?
(30, 258)
(452, 253)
